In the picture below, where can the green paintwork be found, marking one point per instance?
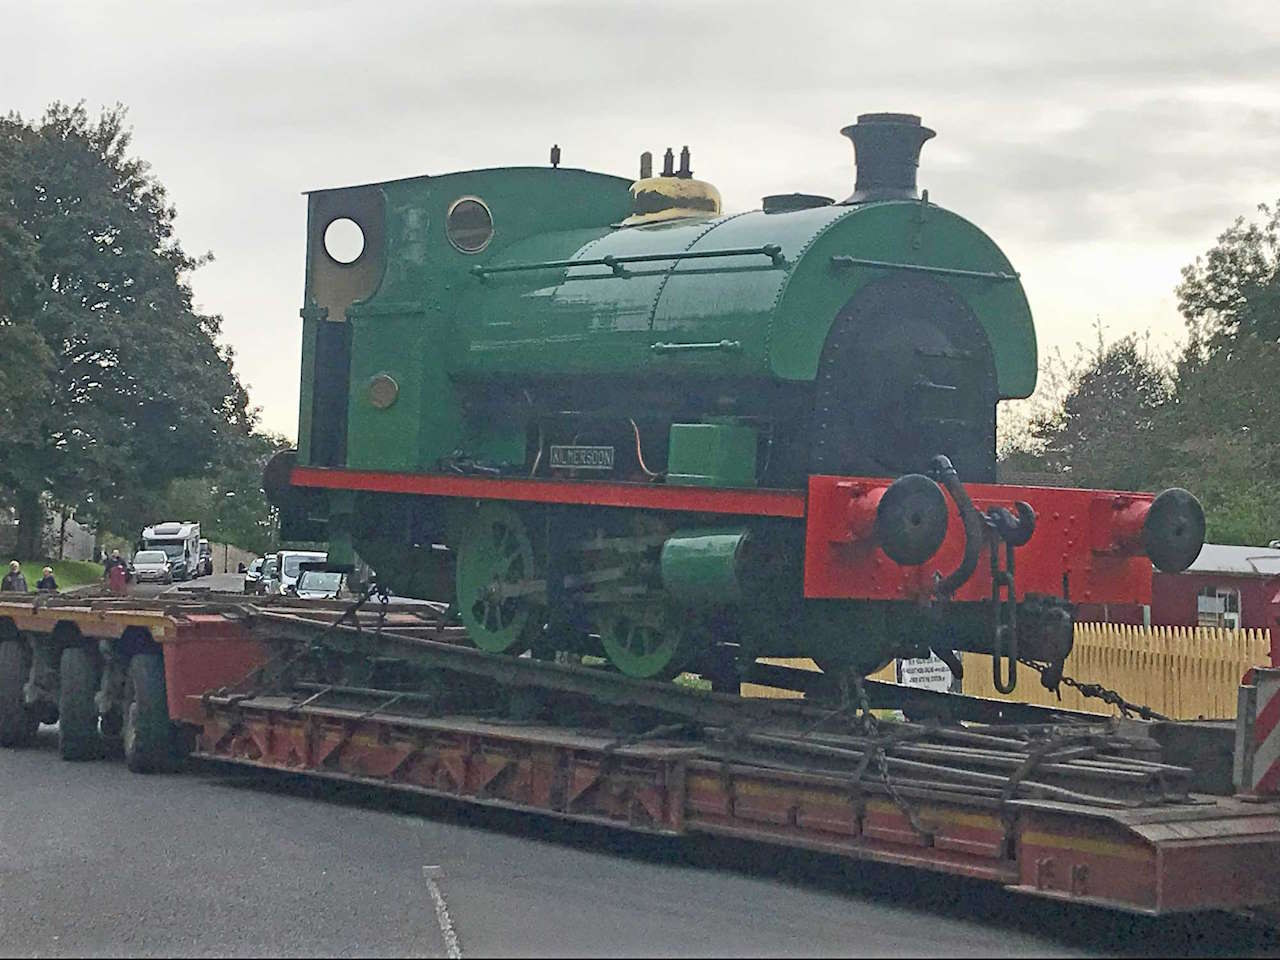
(495, 561)
(452, 339)
(588, 320)
(435, 327)
(340, 520)
(712, 454)
(416, 325)
(647, 640)
(701, 566)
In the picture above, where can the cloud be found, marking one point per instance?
(1116, 139)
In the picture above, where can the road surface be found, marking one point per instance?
(218, 582)
(218, 860)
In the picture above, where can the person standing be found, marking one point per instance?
(46, 581)
(14, 581)
(116, 572)
(115, 560)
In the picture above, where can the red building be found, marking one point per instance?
(1227, 586)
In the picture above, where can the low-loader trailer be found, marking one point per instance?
(1148, 816)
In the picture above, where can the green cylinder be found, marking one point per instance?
(704, 565)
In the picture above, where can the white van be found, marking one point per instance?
(180, 542)
(289, 565)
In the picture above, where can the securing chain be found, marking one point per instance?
(1052, 677)
(384, 598)
(867, 719)
(876, 753)
(276, 665)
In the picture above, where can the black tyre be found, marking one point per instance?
(17, 724)
(147, 733)
(112, 726)
(78, 678)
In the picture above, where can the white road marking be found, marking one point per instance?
(452, 948)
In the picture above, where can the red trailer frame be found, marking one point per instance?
(1216, 852)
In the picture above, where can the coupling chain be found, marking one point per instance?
(1051, 676)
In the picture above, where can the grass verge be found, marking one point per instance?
(68, 573)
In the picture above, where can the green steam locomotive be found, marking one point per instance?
(602, 416)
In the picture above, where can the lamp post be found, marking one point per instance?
(226, 564)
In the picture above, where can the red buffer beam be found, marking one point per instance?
(1083, 546)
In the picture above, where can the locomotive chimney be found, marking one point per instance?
(886, 151)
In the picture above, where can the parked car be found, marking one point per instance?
(332, 585)
(291, 562)
(204, 565)
(181, 568)
(253, 576)
(319, 585)
(269, 582)
(153, 565)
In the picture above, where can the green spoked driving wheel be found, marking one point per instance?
(645, 640)
(498, 596)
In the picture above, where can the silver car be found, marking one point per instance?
(332, 585)
(152, 565)
(319, 585)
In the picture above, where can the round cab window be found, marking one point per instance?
(469, 225)
(344, 240)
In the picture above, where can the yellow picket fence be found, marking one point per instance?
(1182, 672)
(888, 674)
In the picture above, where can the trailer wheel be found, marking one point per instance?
(148, 737)
(17, 724)
(78, 679)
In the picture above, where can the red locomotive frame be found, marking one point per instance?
(1087, 545)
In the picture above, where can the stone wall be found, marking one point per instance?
(78, 544)
(231, 556)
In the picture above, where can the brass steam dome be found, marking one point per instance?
(671, 196)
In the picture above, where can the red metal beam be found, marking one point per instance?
(762, 503)
(1220, 853)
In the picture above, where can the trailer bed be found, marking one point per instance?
(690, 762)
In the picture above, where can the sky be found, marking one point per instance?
(1104, 145)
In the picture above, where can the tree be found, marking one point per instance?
(129, 387)
(1230, 297)
(1103, 431)
(1211, 425)
(27, 361)
(1222, 426)
(1018, 441)
(229, 503)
